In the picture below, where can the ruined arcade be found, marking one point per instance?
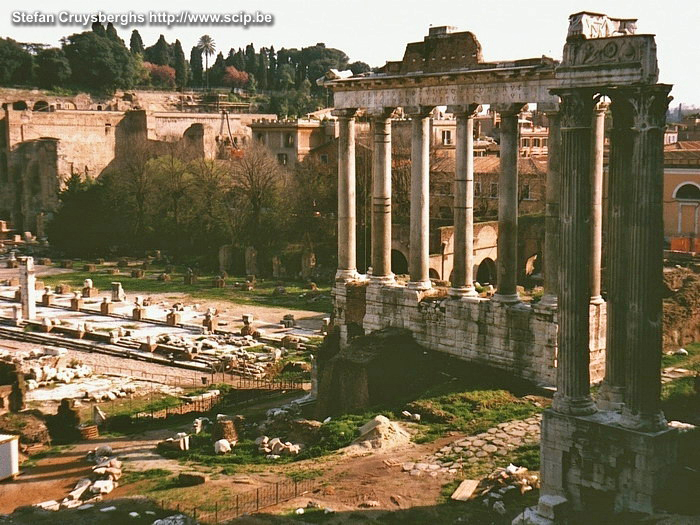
(609, 454)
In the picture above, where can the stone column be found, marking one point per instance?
(418, 265)
(551, 221)
(27, 284)
(597, 147)
(573, 379)
(463, 256)
(347, 263)
(508, 205)
(642, 410)
(611, 395)
(381, 199)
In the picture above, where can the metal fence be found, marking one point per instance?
(245, 502)
(194, 379)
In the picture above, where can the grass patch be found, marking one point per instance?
(302, 475)
(298, 297)
(150, 474)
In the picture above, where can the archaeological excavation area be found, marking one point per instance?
(148, 389)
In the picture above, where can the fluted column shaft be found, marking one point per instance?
(508, 206)
(573, 378)
(420, 199)
(347, 257)
(463, 257)
(597, 148)
(381, 199)
(642, 408)
(617, 268)
(551, 221)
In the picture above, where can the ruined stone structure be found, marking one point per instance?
(611, 454)
(41, 149)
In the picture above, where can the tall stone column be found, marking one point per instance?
(642, 410)
(463, 256)
(597, 148)
(551, 221)
(418, 265)
(347, 257)
(611, 394)
(27, 284)
(381, 199)
(573, 379)
(508, 205)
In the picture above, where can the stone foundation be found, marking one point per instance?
(591, 462)
(519, 338)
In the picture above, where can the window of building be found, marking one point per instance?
(494, 190)
(446, 137)
(526, 143)
(108, 128)
(477, 188)
(525, 193)
(282, 158)
(261, 138)
(544, 143)
(324, 158)
(445, 212)
(688, 192)
(535, 143)
(289, 140)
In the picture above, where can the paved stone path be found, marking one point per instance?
(496, 441)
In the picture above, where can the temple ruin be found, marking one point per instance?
(611, 453)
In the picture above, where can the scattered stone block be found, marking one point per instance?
(189, 479)
(465, 490)
(138, 273)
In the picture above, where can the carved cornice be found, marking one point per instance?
(344, 113)
(509, 110)
(418, 111)
(466, 110)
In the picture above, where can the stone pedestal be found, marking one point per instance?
(47, 299)
(138, 313)
(106, 307)
(90, 292)
(173, 318)
(210, 323)
(76, 304)
(118, 294)
(591, 464)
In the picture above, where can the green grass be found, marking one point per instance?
(296, 298)
(453, 407)
(302, 475)
(153, 473)
(690, 361)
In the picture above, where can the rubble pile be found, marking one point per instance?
(274, 448)
(103, 480)
(380, 432)
(41, 367)
(496, 489)
(112, 394)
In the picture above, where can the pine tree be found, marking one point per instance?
(159, 53)
(135, 43)
(261, 72)
(180, 65)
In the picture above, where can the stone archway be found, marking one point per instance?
(41, 105)
(486, 273)
(399, 263)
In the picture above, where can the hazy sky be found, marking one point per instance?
(375, 31)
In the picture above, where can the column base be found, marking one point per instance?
(463, 291)
(549, 301)
(346, 275)
(382, 280)
(506, 298)
(610, 398)
(597, 299)
(643, 422)
(419, 285)
(574, 406)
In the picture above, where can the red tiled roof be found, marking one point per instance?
(491, 164)
(682, 157)
(683, 145)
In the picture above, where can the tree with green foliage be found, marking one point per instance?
(98, 63)
(359, 67)
(112, 33)
(196, 66)
(180, 65)
(136, 43)
(217, 71)
(158, 53)
(99, 29)
(208, 47)
(16, 64)
(52, 68)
